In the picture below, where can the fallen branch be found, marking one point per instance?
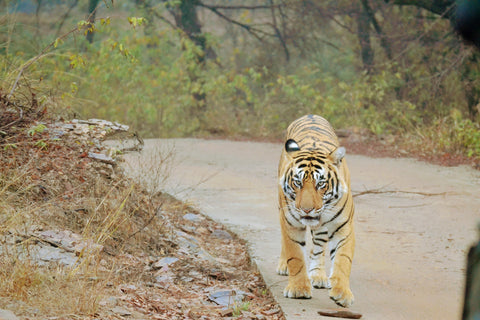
(379, 191)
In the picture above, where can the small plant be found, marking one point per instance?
(37, 129)
(41, 144)
(239, 307)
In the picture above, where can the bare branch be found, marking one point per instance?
(249, 28)
(278, 33)
(379, 191)
(444, 8)
(64, 17)
(37, 57)
(240, 7)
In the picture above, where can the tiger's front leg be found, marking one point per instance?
(292, 261)
(341, 253)
(317, 271)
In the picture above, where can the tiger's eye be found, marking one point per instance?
(321, 185)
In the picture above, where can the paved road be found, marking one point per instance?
(412, 231)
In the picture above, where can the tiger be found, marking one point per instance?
(314, 193)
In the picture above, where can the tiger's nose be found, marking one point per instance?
(307, 210)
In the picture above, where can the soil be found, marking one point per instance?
(414, 222)
(156, 257)
(165, 260)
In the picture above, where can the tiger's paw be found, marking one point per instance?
(319, 279)
(342, 296)
(282, 268)
(301, 290)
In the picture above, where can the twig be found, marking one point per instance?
(36, 58)
(246, 7)
(146, 223)
(249, 28)
(378, 191)
(41, 55)
(65, 16)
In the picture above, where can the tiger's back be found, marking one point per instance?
(312, 132)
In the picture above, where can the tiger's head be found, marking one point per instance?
(312, 182)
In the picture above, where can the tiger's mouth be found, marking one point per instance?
(310, 221)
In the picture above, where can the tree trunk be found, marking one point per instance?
(92, 6)
(363, 33)
(470, 79)
(186, 19)
(383, 38)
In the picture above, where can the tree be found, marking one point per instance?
(92, 9)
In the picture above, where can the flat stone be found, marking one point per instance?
(43, 255)
(193, 217)
(222, 234)
(69, 241)
(121, 311)
(101, 157)
(166, 261)
(227, 297)
(7, 315)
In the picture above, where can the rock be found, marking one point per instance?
(193, 217)
(121, 311)
(69, 241)
(186, 242)
(164, 280)
(101, 157)
(226, 312)
(109, 302)
(227, 297)
(202, 230)
(166, 261)
(43, 255)
(271, 311)
(104, 123)
(7, 315)
(222, 234)
(129, 288)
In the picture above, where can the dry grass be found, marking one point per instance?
(53, 186)
(50, 184)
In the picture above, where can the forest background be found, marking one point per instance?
(391, 70)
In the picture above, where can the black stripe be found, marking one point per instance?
(344, 255)
(321, 240)
(340, 227)
(329, 143)
(302, 243)
(294, 218)
(338, 213)
(340, 244)
(318, 253)
(316, 268)
(316, 128)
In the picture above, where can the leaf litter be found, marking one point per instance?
(137, 255)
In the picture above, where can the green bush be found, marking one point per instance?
(151, 78)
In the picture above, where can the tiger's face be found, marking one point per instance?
(312, 183)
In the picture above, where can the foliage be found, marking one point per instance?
(148, 75)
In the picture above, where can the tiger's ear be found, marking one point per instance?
(291, 146)
(337, 155)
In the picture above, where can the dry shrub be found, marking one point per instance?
(49, 183)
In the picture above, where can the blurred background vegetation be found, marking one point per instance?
(395, 70)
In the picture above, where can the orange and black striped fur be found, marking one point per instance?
(314, 193)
